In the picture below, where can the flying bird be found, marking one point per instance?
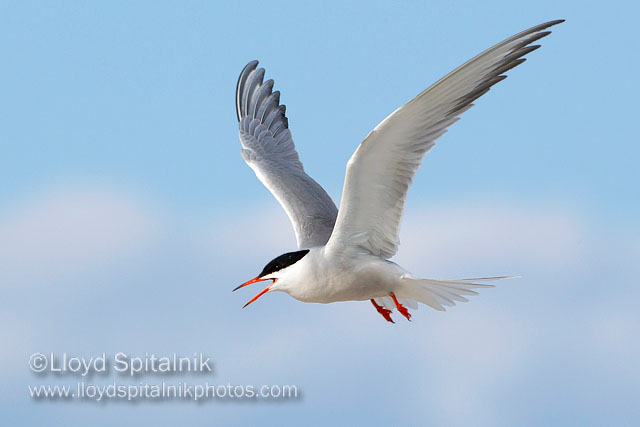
(343, 254)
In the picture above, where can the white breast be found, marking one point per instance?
(325, 277)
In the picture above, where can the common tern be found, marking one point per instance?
(343, 255)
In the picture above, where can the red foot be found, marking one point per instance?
(385, 313)
(401, 308)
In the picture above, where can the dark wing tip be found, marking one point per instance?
(242, 79)
(537, 30)
(257, 99)
(547, 25)
(511, 60)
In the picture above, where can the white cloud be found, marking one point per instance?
(471, 356)
(448, 236)
(461, 365)
(68, 231)
(261, 232)
(73, 230)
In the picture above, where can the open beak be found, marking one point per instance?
(254, 280)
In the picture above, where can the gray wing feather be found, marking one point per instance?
(381, 170)
(268, 148)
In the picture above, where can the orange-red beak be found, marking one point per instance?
(254, 280)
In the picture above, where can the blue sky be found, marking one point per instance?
(127, 213)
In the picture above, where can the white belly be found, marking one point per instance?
(325, 279)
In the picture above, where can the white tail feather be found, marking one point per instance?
(439, 293)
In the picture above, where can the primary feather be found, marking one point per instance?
(267, 146)
(381, 170)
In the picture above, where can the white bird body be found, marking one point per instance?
(344, 253)
(325, 276)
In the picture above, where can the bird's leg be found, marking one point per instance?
(401, 308)
(383, 311)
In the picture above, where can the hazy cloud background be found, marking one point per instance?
(127, 215)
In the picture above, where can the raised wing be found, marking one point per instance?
(267, 146)
(381, 170)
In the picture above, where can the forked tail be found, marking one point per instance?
(439, 293)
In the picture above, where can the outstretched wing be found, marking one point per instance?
(381, 170)
(267, 146)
